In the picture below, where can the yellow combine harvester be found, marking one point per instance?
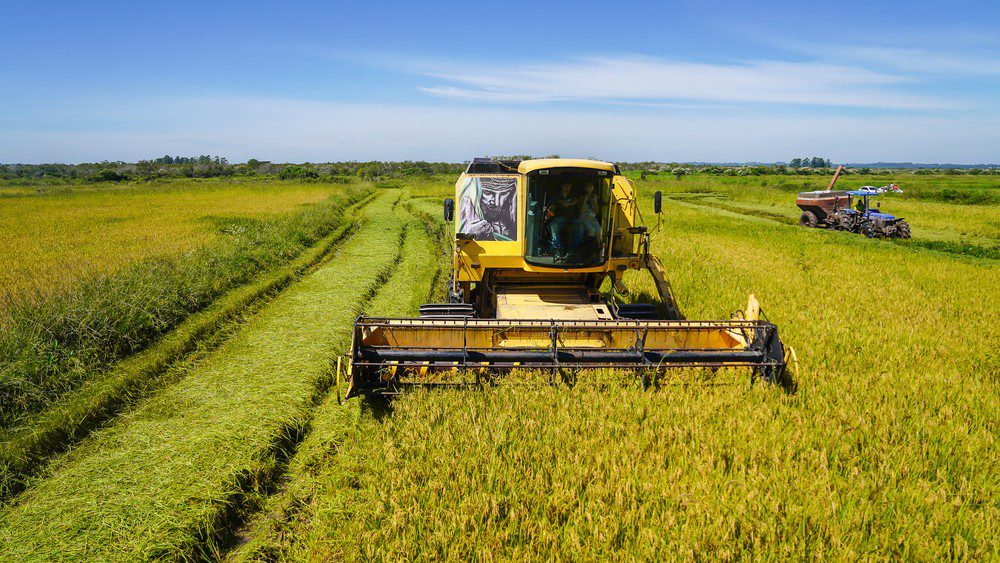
(534, 242)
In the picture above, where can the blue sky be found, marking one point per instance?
(320, 81)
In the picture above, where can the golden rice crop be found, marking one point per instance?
(53, 239)
(53, 342)
(886, 450)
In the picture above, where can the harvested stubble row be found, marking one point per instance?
(411, 283)
(163, 479)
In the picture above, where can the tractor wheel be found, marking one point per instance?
(808, 219)
(845, 223)
(869, 231)
(903, 229)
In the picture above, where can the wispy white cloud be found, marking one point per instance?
(630, 78)
(920, 61)
(955, 53)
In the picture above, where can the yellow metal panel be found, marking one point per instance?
(548, 302)
(511, 333)
(542, 163)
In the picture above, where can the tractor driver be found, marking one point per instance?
(565, 226)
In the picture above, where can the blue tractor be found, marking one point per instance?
(870, 221)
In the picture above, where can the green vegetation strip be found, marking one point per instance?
(429, 214)
(23, 450)
(272, 532)
(164, 479)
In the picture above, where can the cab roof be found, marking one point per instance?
(540, 163)
(491, 166)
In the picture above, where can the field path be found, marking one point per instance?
(164, 479)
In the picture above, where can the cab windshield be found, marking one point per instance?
(567, 224)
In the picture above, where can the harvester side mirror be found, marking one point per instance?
(658, 202)
(449, 209)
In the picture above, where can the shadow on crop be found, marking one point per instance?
(378, 406)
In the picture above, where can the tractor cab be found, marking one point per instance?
(864, 205)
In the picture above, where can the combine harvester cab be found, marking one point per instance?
(534, 242)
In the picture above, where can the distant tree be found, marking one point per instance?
(110, 175)
(295, 171)
(795, 163)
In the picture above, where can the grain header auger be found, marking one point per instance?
(534, 242)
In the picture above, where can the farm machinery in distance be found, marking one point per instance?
(836, 209)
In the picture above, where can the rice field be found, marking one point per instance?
(953, 225)
(886, 451)
(159, 480)
(54, 237)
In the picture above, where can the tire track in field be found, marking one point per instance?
(25, 450)
(165, 480)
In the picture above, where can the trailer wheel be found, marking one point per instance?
(808, 219)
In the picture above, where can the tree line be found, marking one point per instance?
(206, 166)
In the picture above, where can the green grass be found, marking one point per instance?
(936, 223)
(163, 479)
